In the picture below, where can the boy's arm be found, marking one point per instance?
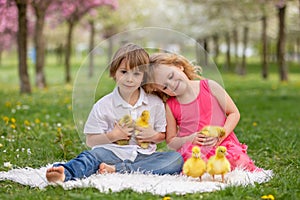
(118, 133)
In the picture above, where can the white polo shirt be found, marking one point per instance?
(112, 108)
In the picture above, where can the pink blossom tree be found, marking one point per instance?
(8, 29)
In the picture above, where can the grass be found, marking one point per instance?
(38, 129)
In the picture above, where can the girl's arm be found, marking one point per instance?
(173, 141)
(228, 106)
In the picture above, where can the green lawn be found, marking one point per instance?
(38, 129)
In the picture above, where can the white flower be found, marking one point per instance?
(28, 151)
(8, 165)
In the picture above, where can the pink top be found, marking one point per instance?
(193, 116)
(205, 110)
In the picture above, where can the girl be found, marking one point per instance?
(102, 130)
(192, 104)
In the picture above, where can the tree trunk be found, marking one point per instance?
(91, 47)
(298, 49)
(0, 57)
(216, 47)
(245, 43)
(283, 72)
(265, 71)
(228, 60)
(39, 41)
(22, 47)
(206, 48)
(110, 48)
(236, 55)
(68, 50)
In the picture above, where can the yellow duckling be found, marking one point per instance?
(126, 120)
(213, 131)
(218, 164)
(143, 121)
(194, 166)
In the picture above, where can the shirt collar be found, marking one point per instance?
(119, 101)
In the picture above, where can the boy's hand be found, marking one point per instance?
(121, 132)
(145, 134)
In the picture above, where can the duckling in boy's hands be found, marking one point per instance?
(194, 166)
(126, 120)
(218, 164)
(143, 121)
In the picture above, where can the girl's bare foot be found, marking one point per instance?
(105, 168)
(55, 174)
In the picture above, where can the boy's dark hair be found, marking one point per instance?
(134, 56)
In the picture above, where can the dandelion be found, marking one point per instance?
(13, 120)
(254, 124)
(13, 126)
(1, 145)
(167, 198)
(67, 100)
(7, 104)
(27, 123)
(7, 164)
(268, 197)
(37, 121)
(5, 119)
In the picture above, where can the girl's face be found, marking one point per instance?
(171, 80)
(127, 79)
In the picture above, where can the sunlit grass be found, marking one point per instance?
(38, 129)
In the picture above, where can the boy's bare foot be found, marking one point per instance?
(55, 174)
(105, 168)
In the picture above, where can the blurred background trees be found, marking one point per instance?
(230, 31)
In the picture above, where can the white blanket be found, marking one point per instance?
(158, 185)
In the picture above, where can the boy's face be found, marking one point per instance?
(127, 79)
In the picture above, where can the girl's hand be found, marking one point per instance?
(202, 140)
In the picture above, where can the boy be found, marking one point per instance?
(103, 130)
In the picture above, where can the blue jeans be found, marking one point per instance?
(87, 163)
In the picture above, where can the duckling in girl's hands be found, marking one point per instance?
(213, 131)
(218, 164)
(194, 166)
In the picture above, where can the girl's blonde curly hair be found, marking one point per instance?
(170, 59)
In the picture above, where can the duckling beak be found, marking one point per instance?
(197, 155)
